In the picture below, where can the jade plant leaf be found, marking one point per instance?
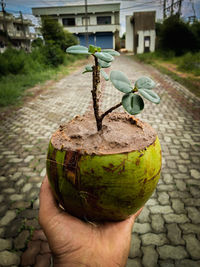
(111, 52)
(145, 83)
(150, 95)
(78, 49)
(132, 103)
(88, 68)
(105, 75)
(104, 64)
(120, 81)
(104, 56)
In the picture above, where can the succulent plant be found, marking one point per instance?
(131, 101)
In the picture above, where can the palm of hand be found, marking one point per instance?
(77, 243)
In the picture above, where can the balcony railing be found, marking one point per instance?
(20, 35)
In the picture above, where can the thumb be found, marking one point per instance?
(48, 206)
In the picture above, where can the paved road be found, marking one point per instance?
(167, 233)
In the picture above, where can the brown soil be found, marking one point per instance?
(120, 133)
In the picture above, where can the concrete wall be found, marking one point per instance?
(129, 34)
(141, 43)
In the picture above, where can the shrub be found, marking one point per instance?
(176, 35)
(53, 54)
(190, 62)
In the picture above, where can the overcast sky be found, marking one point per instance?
(189, 7)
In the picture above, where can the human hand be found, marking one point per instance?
(77, 243)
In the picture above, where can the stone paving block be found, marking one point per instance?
(150, 256)
(5, 244)
(193, 214)
(187, 263)
(9, 258)
(9, 216)
(133, 263)
(172, 252)
(154, 239)
(178, 205)
(141, 228)
(188, 228)
(21, 239)
(158, 223)
(163, 198)
(170, 218)
(174, 234)
(135, 248)
(144, 215)
(158, 209)
(192, 246)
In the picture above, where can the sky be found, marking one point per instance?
(189, 7)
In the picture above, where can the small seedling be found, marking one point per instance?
(131, 100)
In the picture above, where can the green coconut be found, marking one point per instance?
(106, 185)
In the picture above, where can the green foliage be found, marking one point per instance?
(177, 36)
(53, 54)
(104, 56)
(132, 103)
(37, 43)
(120, 81)
(78, 49)
(190, 62)
(105, 75)
(53, 32)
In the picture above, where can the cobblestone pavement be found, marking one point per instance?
(167, 233)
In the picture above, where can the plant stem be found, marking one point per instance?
(109, 110)
(95, 97)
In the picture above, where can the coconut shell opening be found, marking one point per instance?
(121, 133)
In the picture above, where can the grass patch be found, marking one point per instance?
(184, 69)
(13, 86)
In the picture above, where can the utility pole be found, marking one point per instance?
(164, 9)
(179, 8)
(172, 8)
(3, 5)
(86, 23)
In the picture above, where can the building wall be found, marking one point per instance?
(108, 31)
(140, 32)
(129, 34)
(141, 41)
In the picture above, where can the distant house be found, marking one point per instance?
(140, 32)
(102, 21)
(15, 31)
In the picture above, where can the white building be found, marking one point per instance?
(15, 31)
(102, 21)
(140, 32)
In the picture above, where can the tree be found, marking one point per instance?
(52, 31)
(176, 35)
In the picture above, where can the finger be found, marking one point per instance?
(48, 205)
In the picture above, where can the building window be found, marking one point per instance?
(68, 21)
(104, 20)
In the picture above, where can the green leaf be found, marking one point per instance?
(104, 64)
(78, 49)
(120, 81)
(105, 75)
(150, 95)
(92, 49)
(104, 56)
(145, 83)
(132, 103)
(111, 52)
(88, 68)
